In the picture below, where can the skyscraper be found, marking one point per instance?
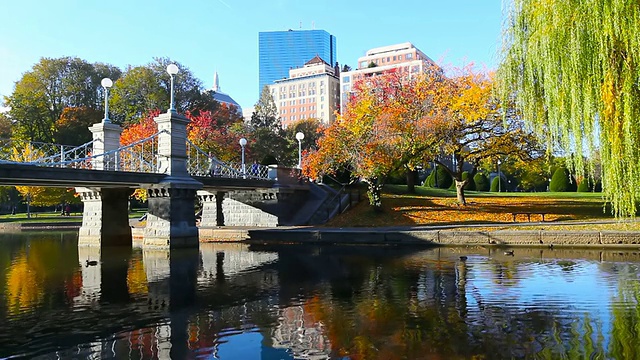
(281, 51)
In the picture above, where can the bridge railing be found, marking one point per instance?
(202, 163)
(44, 154)
(139, 156)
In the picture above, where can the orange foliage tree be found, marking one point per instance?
(474, 127)
(388, 124)
(217, 132)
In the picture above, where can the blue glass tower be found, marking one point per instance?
(283, 50)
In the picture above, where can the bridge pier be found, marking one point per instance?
(239, 208)
(105, 218)
(171, 220)
(212, 214)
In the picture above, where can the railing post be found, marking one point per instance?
(106, 138)
(61, 155)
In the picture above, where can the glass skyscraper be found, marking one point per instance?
(283, 50)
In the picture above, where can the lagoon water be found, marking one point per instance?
(233, 301)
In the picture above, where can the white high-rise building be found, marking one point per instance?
(405, 58)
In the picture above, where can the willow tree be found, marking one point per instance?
(573, 68)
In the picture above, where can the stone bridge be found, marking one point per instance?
(272, 197)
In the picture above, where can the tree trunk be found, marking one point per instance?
(460, 184)
(375, 199)
(411, 181)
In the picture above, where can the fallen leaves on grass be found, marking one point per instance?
(413, 210)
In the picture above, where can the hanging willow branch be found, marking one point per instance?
(572, 66)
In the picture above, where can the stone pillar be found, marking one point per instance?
(171, 220)
(212, 214)
(106, 138)
(105, 218)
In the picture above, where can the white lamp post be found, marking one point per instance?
(106, 84)
(299, 137)
(243, 142)
(172, 69)
(499, 190)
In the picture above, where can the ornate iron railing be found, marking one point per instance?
(140, 156)
(201, 163)
(42, 154)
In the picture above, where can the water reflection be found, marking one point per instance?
(228, 301)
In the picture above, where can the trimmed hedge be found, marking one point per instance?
(587, 185)
(481, 182)
(495, 185)
(444, 179)
(562, 181)
(471, 185)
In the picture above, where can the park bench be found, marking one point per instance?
(528, 213)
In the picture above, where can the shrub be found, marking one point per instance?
(588, 185)
(481, 182)
(497, 184)
(471, 185)
(444, 179)
(562, 181)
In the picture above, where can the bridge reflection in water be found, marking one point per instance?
(229, 301)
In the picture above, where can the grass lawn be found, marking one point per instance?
(439, 207)
(54, 217)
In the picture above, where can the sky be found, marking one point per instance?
(222, 35)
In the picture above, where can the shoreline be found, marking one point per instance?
(436, 235)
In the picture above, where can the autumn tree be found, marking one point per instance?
(388, 124)
(572, 67)
(218, 132)
(42, 94)
(38, 195)
(475, 128)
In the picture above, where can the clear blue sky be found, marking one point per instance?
(222, 35)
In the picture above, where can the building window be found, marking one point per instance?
(408, 56)
(346, 79)
(394, 58)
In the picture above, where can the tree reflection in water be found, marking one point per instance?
(310, 301)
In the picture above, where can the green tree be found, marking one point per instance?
(52, 85)
(311, 128)
(5, 126)
(268, 139)
(72, 128)
(265, 113)
(572, 67)
(147, 88)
